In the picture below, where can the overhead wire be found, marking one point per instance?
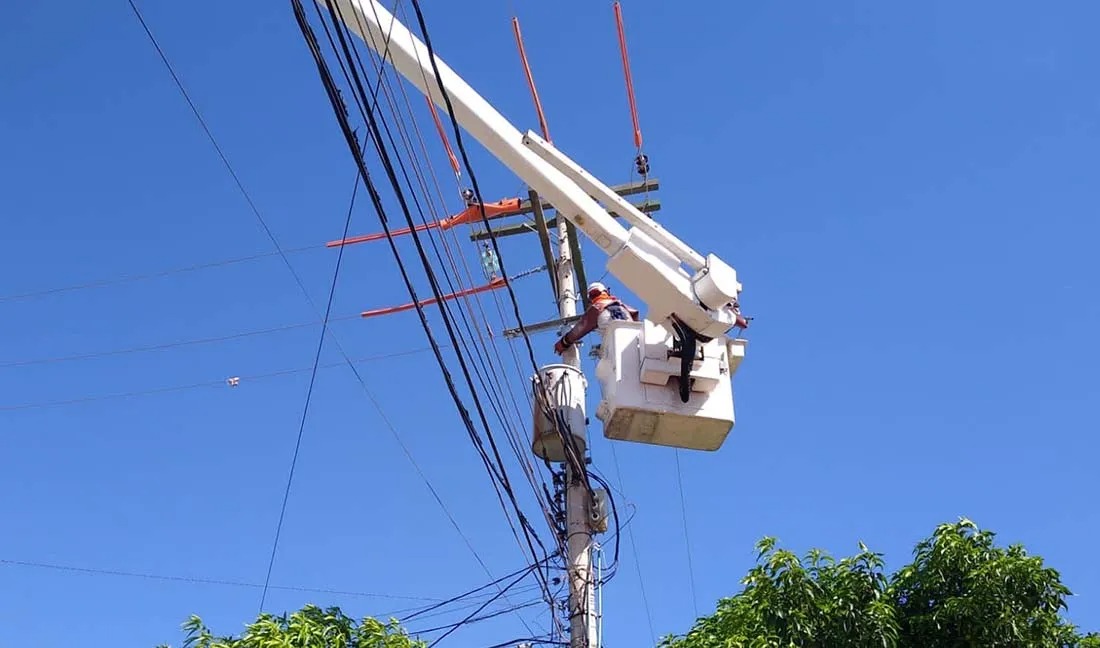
(480, 369)
(568, 440)
(473, 614)
(167, 345)
(221, 382)
(687, 537)
(634, 552)
(483, 371)
(309, 395)
(375, 136)
(283, 253)
(439, 605)
(570, 445)
(113, 281)
(522, 455)
(483, 617)
(469, 593)
(195, 580)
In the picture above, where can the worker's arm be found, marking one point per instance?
(586, 325)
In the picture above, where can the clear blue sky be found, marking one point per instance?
(909, 194)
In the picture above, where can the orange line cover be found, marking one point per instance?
(492, 285)
(472, 214)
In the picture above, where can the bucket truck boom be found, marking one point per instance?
(692, 299)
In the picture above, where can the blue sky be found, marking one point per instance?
(908, 194)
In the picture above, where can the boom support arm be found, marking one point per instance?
(646, 259)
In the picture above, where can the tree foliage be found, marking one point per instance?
(310, 627)
(960, 591)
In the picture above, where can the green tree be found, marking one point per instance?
(310, 627)
(960, 591)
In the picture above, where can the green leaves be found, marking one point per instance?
(310, 627)
(959, 591)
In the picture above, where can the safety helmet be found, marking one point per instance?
(596, 288)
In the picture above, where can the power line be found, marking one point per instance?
(487, 377)
(458, 597)
(309, 395)
(243, 380)
(201, 581)
(283, 254)
(634, 551)
(687, 538)
(436, 602)
(473, 614)
(340, 111)
(568, 441)
(167, 345)
(121, 279)
(484, 617)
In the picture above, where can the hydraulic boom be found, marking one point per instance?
(700, 300)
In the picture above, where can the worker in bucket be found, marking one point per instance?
(603, 308)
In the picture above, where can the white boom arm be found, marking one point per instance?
(646, 259)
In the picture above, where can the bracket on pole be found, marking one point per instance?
(646, 207)
(539, 327)
(544, 240)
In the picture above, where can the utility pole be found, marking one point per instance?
(582, 586)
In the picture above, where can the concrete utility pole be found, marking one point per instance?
(582, 585)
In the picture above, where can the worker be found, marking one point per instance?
(603, 308)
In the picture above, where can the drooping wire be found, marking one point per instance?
(473, 614)
(481, 369)
(375, 136)
(511, 433)
(634, 551)
(467, 594)
(221, 382)
(372, 121)
(283, 253)
(200, 581)
(166, 345)
(517, 444)
(112, 281)
(574, 455)
(483, 617)
(568, 440)
(687, 537)
(309, 396)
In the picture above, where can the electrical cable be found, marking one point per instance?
(634, 551)
(531, 640)
(221, 382)
(167, 345)
(464, 604)
(483, 617)
(568, 440)
(201, 581)
(463, 595)
(475, 612)
(101, 283)
(395, 183)
(283, 254)
(497, 396)
(481, 369)
(341, 114)
(614, 515)
(309, 396)
(687, 538)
